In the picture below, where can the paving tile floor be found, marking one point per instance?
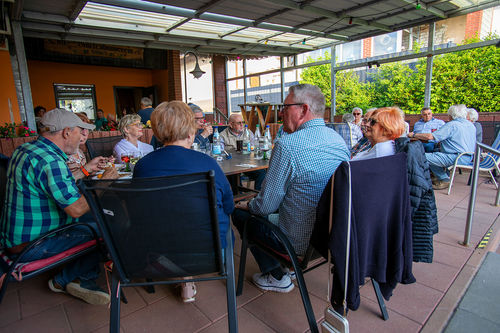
(478, 310)
(30, 306)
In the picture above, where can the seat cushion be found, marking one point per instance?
(27, 267)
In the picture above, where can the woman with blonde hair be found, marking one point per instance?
(174, 126)
(382, 127)
(131, 128)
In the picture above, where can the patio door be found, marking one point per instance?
(128, 99)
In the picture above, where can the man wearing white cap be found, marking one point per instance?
(42, 196)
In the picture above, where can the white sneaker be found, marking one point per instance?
(268, 282)
(289, 272)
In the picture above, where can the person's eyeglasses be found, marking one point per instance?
(369, 121)
(286, 106)
(357, 114)
(238, 122)
(139, 124)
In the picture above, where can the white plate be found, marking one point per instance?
(123, 175)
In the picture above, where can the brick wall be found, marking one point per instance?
(367, 47)
(473, 24)
(220, 94)
(174, 76)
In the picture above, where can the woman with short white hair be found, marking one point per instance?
(472, 116)
(131, 128)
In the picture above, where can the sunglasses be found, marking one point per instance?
(369, 121)
(357, 114)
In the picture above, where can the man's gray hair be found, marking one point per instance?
(357, 109)
(310, 95)
(146, 101)
(473, 115)
(458, 111)
(348, 118)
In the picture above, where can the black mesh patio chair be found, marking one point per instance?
(311, 260)
(13, 268)
(102, 146)
(163, 230)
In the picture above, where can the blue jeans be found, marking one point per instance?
(429, 146)
(257, 176)
(439, 162)
(258, 232)
(84, 268)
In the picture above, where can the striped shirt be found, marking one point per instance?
(351, 133)
(39, 187)
(301, 164)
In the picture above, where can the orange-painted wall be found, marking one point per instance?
(160, 79)
(44, 74)
(7, 91)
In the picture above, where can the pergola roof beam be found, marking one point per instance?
(76, 11)
(197, 14)
(164, 9)
(328, 13)
(427, 8)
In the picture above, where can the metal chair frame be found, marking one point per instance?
(102, 146)
(119, 275)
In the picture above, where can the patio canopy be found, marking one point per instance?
(239, 27)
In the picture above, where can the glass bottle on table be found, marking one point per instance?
(258, 141)
(267, 144)
(216, 146)
(247, 146)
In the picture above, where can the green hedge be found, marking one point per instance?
(468, 77)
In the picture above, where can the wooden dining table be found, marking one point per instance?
(253, 114)
(235, 166)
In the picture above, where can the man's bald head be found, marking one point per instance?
(236, 123)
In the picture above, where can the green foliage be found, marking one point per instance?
(12, 131)
(349, 91)
(320, 76)
(468, 77)
(352, 93)
(8, 131)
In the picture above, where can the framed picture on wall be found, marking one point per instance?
(76, 98)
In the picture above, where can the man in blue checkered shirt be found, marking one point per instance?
(42, 196)
(301, 164)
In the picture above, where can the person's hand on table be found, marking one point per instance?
(242, 204)
(207, 130)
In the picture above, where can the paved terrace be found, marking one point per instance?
(423, 306)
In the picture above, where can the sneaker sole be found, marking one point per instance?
(90, 296)
(54, 289)
(276, 289)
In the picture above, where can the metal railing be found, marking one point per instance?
(217, 115)
(473, 191)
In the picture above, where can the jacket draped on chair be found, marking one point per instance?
(423, 202)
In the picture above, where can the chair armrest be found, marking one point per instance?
(460, 155)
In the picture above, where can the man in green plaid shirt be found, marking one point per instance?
(42, 196)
